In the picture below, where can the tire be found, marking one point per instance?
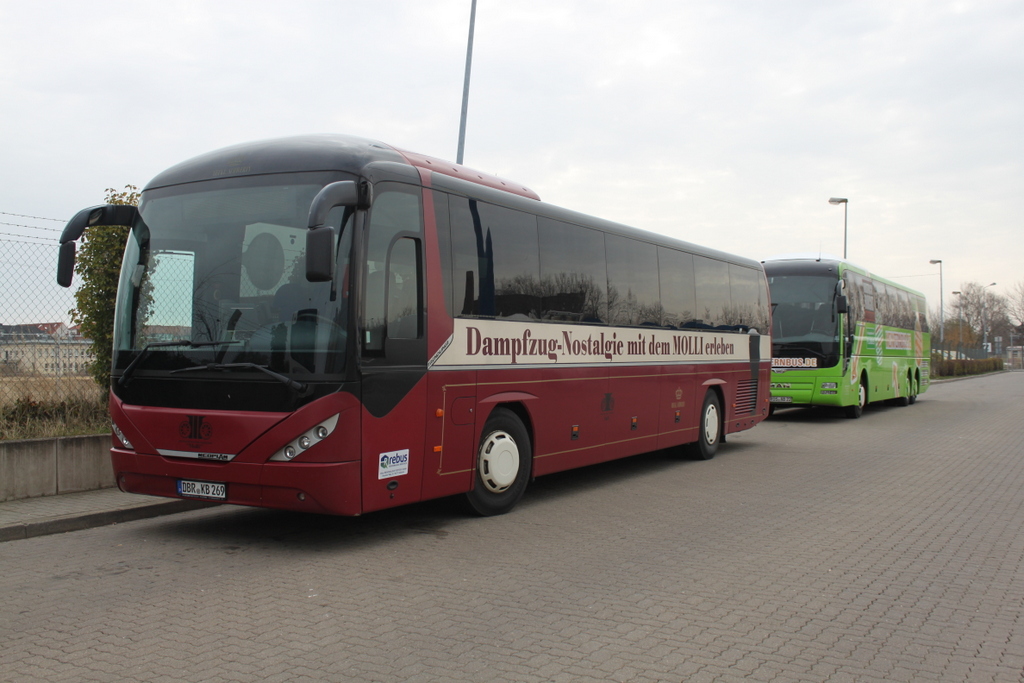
(912, 398)
(503, 465)
(855, 411)
(710, 428)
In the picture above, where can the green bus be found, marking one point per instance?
(843, 337)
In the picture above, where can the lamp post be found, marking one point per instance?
(845, 202)
(465, 84)
(984, 318)
(959, 322)
(942, 306)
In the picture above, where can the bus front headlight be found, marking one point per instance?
(306, 440)
(121, 437)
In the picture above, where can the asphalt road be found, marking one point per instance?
(812, 548)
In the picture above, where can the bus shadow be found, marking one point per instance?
(232, 529)
(614, 472)
(818, 414)
(243, 528)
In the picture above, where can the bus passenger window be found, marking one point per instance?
(633, 290)
(495, 260)
(677, 287)
(713, 297)
(573, 274)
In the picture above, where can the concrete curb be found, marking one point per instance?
(59, 525)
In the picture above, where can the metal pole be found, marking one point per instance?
(959, 322)
(845, 205)
(845, 202)
(465, 85)
(942, 309)
(942, 305)
(984, 319)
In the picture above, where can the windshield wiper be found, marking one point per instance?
(126, 375)
(297, 386)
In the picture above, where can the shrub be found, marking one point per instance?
(961, 367)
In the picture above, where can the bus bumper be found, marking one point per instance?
(810, 391)
(325, 488)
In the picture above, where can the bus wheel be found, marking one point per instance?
(856, 410)
(710, 428)
(502, 466)
(912, 398)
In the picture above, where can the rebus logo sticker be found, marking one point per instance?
(393, 464)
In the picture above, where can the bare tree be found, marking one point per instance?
(981, 314)
(1015, 302)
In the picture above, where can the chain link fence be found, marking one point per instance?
(43, 358)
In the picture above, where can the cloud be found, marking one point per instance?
(726, 123)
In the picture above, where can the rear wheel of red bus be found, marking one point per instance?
(503, 464)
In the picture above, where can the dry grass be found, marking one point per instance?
(47, 389)
(46, 407)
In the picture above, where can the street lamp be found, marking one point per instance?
(984, 318)
(942, 307)
(845, 202)
(465, 85)
(959, 322)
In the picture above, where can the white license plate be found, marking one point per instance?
(202, 489)
(782, 399)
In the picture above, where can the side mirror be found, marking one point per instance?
(320, 254)
(842, 304)
(66, 263)
(320, 238)
(104, 214)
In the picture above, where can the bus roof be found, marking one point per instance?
(328, 152)
(799, 264)
(379, 161)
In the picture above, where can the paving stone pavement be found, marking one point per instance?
(31, 517)
(812, 548)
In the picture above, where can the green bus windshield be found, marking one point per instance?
(804, 321)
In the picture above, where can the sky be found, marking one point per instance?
(727, 123)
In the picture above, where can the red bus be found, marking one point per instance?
(333, 325)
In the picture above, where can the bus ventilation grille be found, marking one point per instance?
(746, 397)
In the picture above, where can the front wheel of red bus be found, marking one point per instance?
(710, 428)
(502, 466)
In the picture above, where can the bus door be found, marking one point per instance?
(393, 346)
(845, 299)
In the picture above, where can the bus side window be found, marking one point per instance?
(574, 277)
(713, 296)
(633, 291)
(495, 259)
(678, 294)
(744, 288)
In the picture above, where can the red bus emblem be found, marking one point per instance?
(195, 427)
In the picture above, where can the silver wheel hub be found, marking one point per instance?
(499, 461)
(711, 424)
